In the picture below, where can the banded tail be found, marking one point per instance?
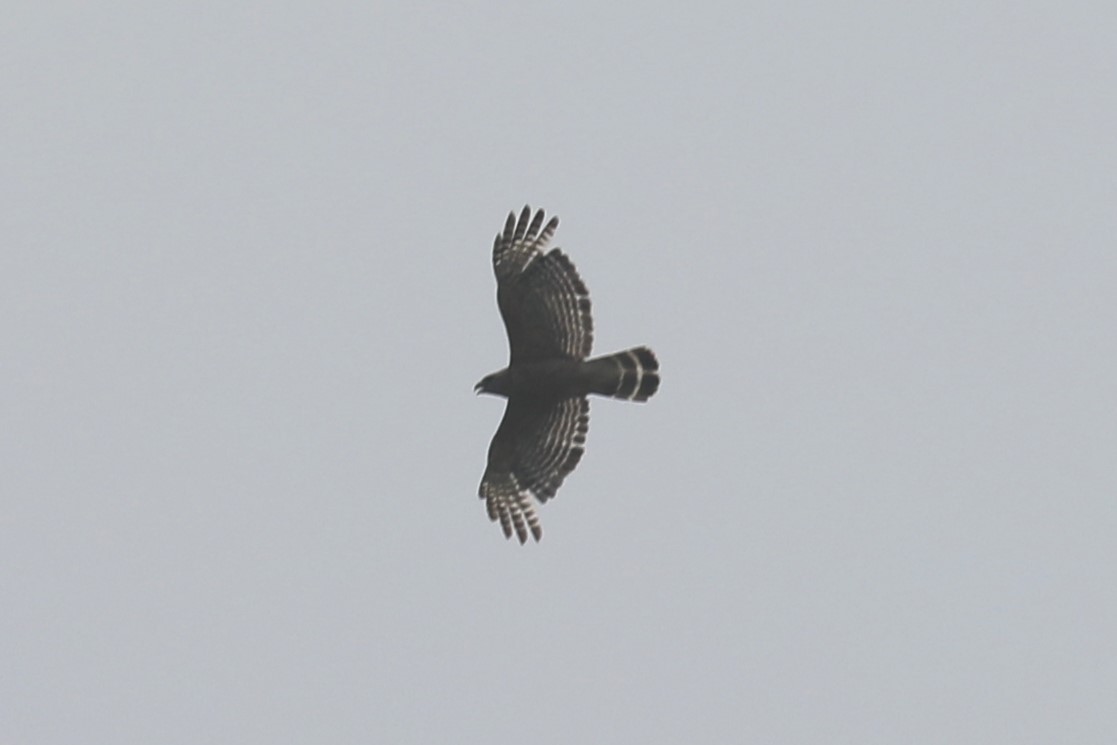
(632, 375)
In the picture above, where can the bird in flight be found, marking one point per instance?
(546, 311)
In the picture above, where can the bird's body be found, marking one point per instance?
(546, 311)
(561, 378)
(555, 379)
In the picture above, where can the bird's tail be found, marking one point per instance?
(632, 375)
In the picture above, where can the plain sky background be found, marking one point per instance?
(245, 293)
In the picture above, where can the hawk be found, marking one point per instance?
(546, 311)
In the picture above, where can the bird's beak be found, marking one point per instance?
(477, 389)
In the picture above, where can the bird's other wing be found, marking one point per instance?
(535, 447)
(544, 303)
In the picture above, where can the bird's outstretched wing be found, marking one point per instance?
(533, 450)
(544, 303)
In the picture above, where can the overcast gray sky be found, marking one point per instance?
(245, 293)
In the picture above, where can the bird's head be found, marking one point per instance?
(492, 384)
